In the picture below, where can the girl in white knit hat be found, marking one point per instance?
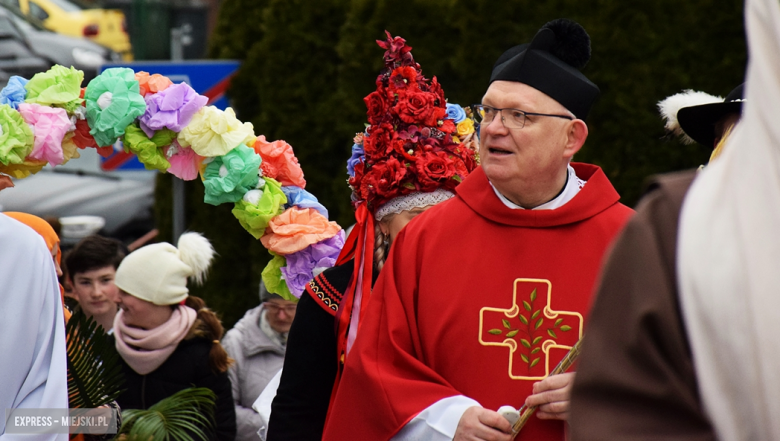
(169, 340)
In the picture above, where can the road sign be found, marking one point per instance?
(209, 78)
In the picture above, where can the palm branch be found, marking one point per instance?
(94, 373)
(182, 416)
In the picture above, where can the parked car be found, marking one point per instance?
(124, 200)
(16, 56)
(78, 52)
(107, 27)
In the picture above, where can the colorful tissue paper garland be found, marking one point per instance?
(170, 128)
(48, 118)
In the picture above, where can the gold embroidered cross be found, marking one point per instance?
(530, 329)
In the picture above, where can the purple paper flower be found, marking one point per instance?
(302, 265)
(358, 155)
(171, 108)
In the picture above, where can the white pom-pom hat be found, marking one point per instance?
(158, 273)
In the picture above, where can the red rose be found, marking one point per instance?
(417, 107)
(377, 142)
(402, 147)
(447, 125)
(434, 169)
(435, 88)
(403, 76)
(377, 107)
(389, 177)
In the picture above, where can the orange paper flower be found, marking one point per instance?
(278, 157)
(150, 84)
(296, 229)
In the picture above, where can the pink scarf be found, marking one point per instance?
(145, 350)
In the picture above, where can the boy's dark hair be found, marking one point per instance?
(94, 252)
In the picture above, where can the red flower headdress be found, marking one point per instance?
(409, 151)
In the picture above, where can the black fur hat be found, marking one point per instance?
(551, 63)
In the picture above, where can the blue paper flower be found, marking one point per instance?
(358, 155)
(14, 92)
(296, 196)
(455, 113)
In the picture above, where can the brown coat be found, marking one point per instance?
(636, 379)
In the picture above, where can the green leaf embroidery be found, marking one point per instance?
(536, 314)
(536, 340)
(533, 295)
(526, 305)
(552, 333)
(536, 360)
(506, 323)
(539, 323)
(565, 328)
(494, 331)
(512, 333)
(525, 343)
(525, 359)
(535, 351)
(558, 323)
(523, 320)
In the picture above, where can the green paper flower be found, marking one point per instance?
(259, 206)
(59, 86)
(149, 150)
(16, 138)
(113, 102)
(228, 177)
(272, 278)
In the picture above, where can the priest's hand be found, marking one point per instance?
(478, 423)
(552, 395)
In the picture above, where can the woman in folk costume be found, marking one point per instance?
(413, 154)
(167, 339)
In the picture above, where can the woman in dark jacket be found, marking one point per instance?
(169, 341)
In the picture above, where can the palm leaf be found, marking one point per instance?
(179, 417)
(94, 373)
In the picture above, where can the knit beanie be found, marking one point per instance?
(158, 273)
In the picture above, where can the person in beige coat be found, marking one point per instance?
(257, 344)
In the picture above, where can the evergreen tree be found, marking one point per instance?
(308, 65)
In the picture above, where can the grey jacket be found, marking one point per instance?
(257, 359)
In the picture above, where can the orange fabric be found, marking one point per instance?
(40, 226)
(49, 236)
(151, 83)
(295, 229)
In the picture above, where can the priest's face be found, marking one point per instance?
(528, 162)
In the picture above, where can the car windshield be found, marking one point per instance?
(19, 20)
(66, 6)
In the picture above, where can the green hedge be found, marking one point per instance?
(307, 66)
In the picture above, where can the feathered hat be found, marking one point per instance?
(692, 115)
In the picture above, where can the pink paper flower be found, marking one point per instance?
(49, 125)
(185, 163)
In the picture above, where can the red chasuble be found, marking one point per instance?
(476, 299)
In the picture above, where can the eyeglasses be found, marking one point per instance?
(273, 308)
(514, 120)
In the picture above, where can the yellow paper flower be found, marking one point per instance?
(69, 149)
(465, 127)
(213, 132)
(19, 171)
